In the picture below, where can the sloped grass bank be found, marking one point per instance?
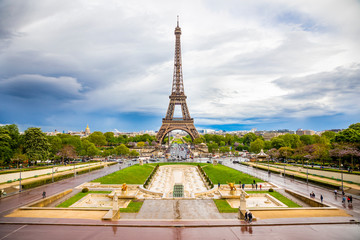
(224, 207)
(77, 197)
(135, 174)
(223, 175)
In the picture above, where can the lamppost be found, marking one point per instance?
(307, 172)
(52, 174)
(268, 167)
(20, 179)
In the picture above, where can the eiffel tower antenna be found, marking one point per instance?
(177, 97)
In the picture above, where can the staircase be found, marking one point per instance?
(178, 190)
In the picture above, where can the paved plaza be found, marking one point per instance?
(179, 219)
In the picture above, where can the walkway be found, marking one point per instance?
(301, 174)
(29, 174)
(13, 187)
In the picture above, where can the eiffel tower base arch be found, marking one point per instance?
(171, 125)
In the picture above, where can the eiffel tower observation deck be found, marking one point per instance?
(177, 98)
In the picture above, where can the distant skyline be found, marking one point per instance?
(273, 64)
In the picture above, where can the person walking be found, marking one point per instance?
(250, 216)
(343, 199)
(218, 186)
(246, 216)
(44, 194)
(243, 186)
(335, 193)
(260, 187)
(350, 198)
(239, 184)
(256, 185)
(321, 198)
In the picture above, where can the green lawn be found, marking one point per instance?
(179, 163)
(224, 207)
(77, 197)
(135, 174)
(279, 197)
(133, 207)
(222, 174)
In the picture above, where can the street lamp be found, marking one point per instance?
(20, 179)
(307, 172)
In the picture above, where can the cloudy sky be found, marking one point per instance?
(266, 64)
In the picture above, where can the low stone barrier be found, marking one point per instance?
(307, 200)
(46, 201)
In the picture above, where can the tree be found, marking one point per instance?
(267, 145)
(349, 135)
(5, 146)
(55, 144)
(273, 153)
(248, 138)
(89, 149)
(109, 136)
(307, 139)
(285, 152)
(291, 140)
(13, 132)
(257, 145)
(342, 151)
(36, 145)
(277, 142)
(212, 147)
(141, 144)
(75, 141)
(321, 152)
(329, 135)
(19, 158)
(92, 151)
(122, 150)
(224, 149)
(134, 153)
(199, 140)
(97, 138)
(67, 152)
(355, 126)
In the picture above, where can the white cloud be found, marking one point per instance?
(117, 56)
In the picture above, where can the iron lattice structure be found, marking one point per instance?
(177, 97)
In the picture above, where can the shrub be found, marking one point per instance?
(84, 190)
(271, 190)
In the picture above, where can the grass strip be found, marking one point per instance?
(133, 207)
(223, 175)
(77, 197)
(135, 174)
(224, 207)
(180, 163)
(279, 197)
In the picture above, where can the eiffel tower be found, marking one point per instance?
(177, 97)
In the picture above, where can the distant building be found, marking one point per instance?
(301, 132)
(87, 130)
